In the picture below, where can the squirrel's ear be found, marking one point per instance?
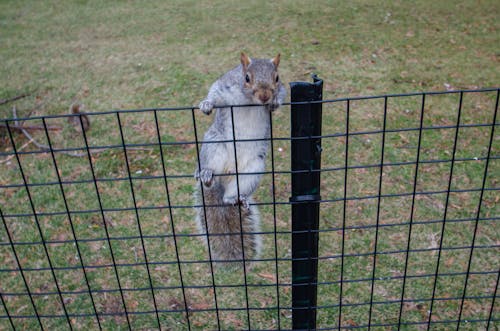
(276, 60)
(245, 60)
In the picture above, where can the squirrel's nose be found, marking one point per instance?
(264, 97)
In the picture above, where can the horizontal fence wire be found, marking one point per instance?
(105, 238)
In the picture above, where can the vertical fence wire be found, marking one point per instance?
(412, 212)
(105, 225)
(138, 222)
(381, 173)
(39, 228)
(208, 236)
(174, 237)
(478, 213)
(7, 312)
(344, 212)
(237, 178)
(70, 221)
(21, 271)
(446, 205)
(492, 307)
(275, 228)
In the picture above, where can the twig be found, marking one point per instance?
(44, 147)
(19, 149)
(31, 127)
(17, 97)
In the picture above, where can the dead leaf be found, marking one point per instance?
(351, 323)
(200, 306)
(133, 304)
(176, 304)
(270, 277)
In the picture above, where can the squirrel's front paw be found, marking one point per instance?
(242, 200)
(206, 176)
(206, 107)
(275, 104)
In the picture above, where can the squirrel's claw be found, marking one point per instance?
(206, 176)
(242, 200)
(275, 104)
(206, 107)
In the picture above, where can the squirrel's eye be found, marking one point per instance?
(247, 78)
(277, 78)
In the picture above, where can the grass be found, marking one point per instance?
(128, 55)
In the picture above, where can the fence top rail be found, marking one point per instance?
(185, 108)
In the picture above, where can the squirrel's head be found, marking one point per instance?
(260, 78)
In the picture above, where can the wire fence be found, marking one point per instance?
(98, 226)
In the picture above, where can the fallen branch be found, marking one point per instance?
(17, 97)
(30, 127)
(47, 148)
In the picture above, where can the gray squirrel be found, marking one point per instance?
(226, 205)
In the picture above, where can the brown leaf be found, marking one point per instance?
(270, 277)
(133, 304)
(198, 323)
(351, 323)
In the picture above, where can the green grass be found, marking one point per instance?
(130, 55)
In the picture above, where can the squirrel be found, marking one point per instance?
(230, 172)
(76, 108)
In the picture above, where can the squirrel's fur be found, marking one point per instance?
(225, 201)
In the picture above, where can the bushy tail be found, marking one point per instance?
(225, 226)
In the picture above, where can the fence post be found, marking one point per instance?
(306, 164)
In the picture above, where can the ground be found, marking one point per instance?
(134, 55)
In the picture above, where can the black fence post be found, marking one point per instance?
(306, 164)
